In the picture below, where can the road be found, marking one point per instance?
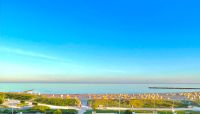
(84, 109)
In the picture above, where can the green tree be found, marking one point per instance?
(128, 112)
(19, 96)
(57, 112)
(56, 101)
(22, 102)
(78, 102)
(40, 108)
(1, 100)
(137, 103)
(94, 106)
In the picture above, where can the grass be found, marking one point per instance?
(115, 111)
(178, 112)
(3, 106)
(50, 111)
(22, 104)
(142, 111)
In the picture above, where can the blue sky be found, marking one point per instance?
(100, 41)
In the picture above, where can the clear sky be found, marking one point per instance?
(115, 41)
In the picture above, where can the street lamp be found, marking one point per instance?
(173, 106)
(155, 104)
(12, 105)
(119, 102)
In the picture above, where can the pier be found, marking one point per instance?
(171, 88)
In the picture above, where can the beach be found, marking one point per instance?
(162, 96)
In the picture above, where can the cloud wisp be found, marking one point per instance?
(23, 52)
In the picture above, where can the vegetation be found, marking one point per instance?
(3, 106)
(140, 111)
(117, 112)
(37, 99)
(47, 110)
(88, 112)
(1, 98)
(32, 111)
(164, 103)
(178, 112)
(40, 108)
(69, 111)
(35, 103)
(58, 101)
(22, 104)
(127, 112)
(196, 103)
(135, 103)
(19, 96)
(57, 112)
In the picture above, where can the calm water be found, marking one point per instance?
(66, 88)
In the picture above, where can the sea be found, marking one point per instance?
(87, 88)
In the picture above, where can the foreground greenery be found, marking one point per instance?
(42, 109)
(136, 103)
(140, 111)
(95, 103)
(197, 102)
(39, 99)
(19, 96)
(116, 111)
(2, 98)
(58, 101)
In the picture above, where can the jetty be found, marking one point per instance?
(171, 88)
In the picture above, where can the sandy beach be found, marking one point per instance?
(164, 96)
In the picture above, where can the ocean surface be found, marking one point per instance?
(68, 88)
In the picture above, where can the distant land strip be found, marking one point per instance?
(171, 88)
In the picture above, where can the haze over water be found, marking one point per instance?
(66, 88)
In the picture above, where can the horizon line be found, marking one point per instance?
(101, 82)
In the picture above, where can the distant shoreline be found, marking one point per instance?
(94, 83)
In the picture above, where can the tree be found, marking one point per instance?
(34, 103)
(94, 106)
(22, 102)
(1, 100)
(78, 102)
(68, 97)
(56, 101)
(40, 108)
(57, 112)
(137, 103)
(128, 112)
(19, 96)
